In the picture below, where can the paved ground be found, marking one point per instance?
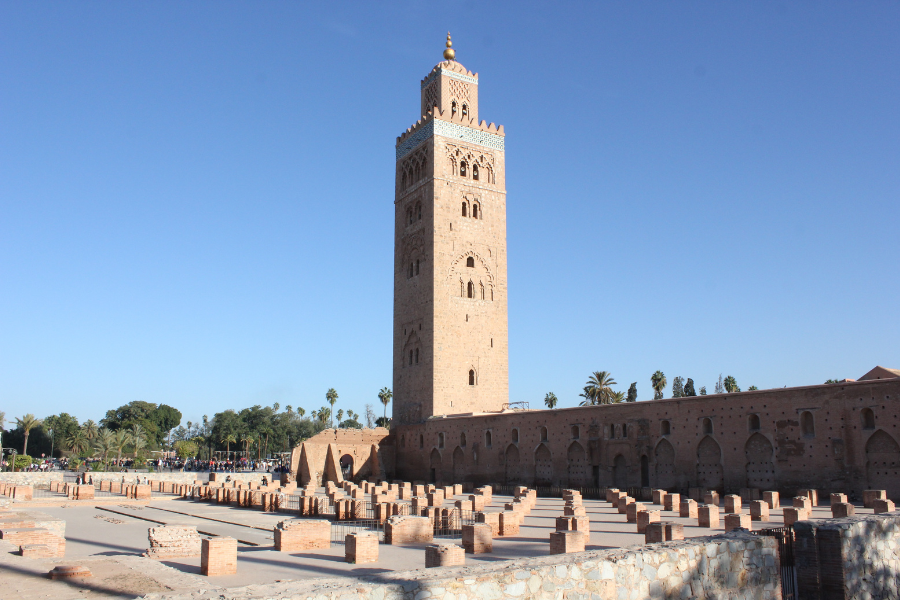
(111, 537)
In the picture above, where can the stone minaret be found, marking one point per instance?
(450, 309)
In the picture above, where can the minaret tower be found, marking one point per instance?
(450, 308)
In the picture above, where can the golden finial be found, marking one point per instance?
(449, 53)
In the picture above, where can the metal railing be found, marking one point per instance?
(340, 529)
(785, 539)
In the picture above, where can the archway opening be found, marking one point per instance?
(347, 466)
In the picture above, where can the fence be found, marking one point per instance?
(340, 529)
(785, 539)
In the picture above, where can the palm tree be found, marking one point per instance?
(104, 443)
(385, 396)
(138, 439)
(121, 438)
(289, 409)
(78, 442)
(731, 385)
(247, 438)
(26, 424)
(228, 440)
(598, 390)
(658, 382)
(331, 395)
(90, 429)
(324, 414)
(301, 411)
(340, 416)
(617, 397)
(550, 400)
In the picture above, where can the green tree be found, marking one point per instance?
(689, 388)
(616, 397)
(228, 440)
(731, 385)
(550, 400)
(121, 438)
(598, 389)
(26, 424)
(166, 419)
(703, 390)
(658, 382)
(632, 393)
(90, 429)
(720, 387)
(301, 411)
(678, 387)
(186, 449)
(77, 442)
(324, 415)
(385, 396)
(138, 439)
(104, 443)
(752, 388)
(331, 396)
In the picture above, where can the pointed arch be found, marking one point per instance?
(459, 464)
(620, 472)
(435, 464)
(758, 452)
(883, 464)
(543, 465)
(577, 465)
(665, 465)
(513, 472)
(710, 473)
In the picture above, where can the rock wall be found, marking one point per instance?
(850, 557)
(44, 479)
(737, 565)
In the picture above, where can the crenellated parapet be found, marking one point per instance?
(438, 122)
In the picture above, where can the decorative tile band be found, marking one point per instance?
(451, 75)
(449, 130)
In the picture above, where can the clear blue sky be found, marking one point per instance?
(196, 199)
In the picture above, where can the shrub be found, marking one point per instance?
(22, 461)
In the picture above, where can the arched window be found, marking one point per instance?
(471, 290)
(465, 110)
(475, 173)
(474, 209)
(417, 266)
(868, 418)
(753, 422)
(453, 108)
(464, 211)
(470, 262)
(421, 441)
(665, 428)
(410, 357)
(462, 168)
(417, 356)
(515, 436)
(440, 440)
(410, 272)
(488, 439)
(403, 181)
(707, 427)
(462, 289)
(624, 430)
(419, 212)
(543, 434)
(482, 290)
(409, 216)
(807, 425)
(575, 432)
(462, 440)
(612, 431)
(471, 376)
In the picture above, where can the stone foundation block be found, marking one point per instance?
(302, 534)
(883, 506)
(842, 509)
(870, 496)
(813, 496)
(708, 516)
(659, 497)
(566, 542)
(792, 515)
(687, 508)
(623, 505)
(645, 518)
(838, 498)
(802, 502)
(674, 531)
(402, 529)
(476, 539)
(361, 548)
(612, 493)
(509, 523)
(748, 495)
(759, 511)
(492, 519)
(435, 498)
(444, 555)
(737, 521)
(632, 510)
(655, 532)
(173, 542)
(773, 499)
(732, 504)
(711, 498)
(578, 510)
(218, 556)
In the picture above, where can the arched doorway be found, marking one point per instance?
(620, 472)
(347, 467)
(883, 464)
(512, 465)
(645, 471)
(459, 467)
(435, 465)
(709, 464)
(543, 466)
(665, 465)
(577, 465)
(760, 468)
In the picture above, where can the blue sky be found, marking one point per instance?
(196, 199)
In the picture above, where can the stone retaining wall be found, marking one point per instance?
(737, 565)
(851, 557)
(44, 479)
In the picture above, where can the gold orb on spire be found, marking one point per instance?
(449, 53)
